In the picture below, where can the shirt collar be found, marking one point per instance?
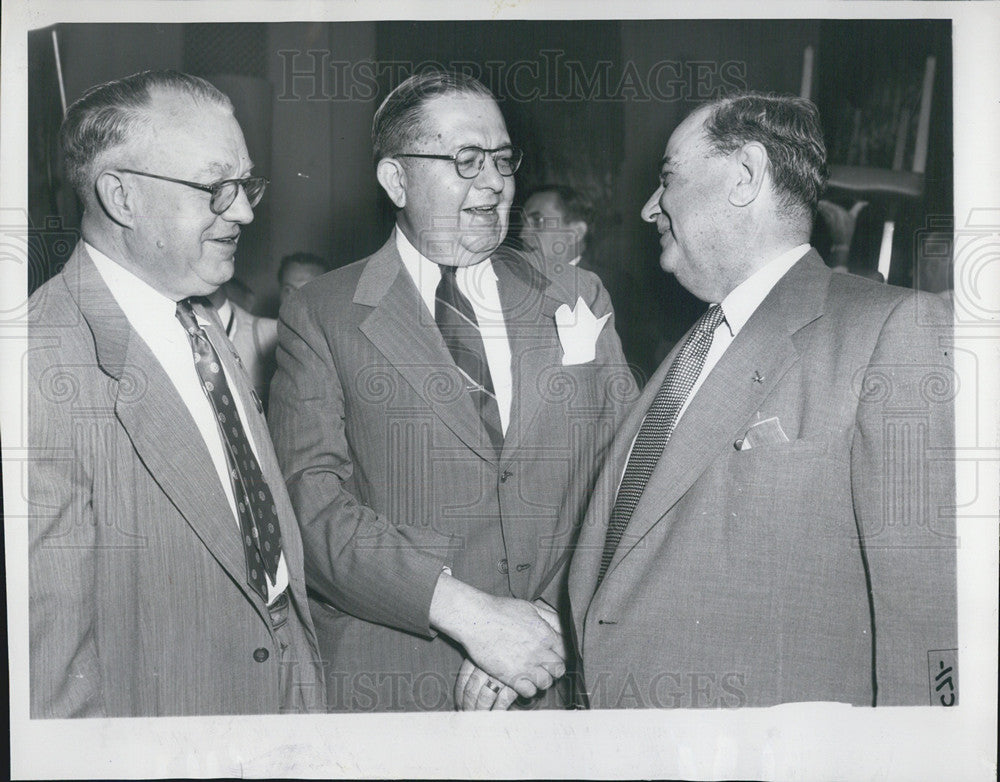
(227, 315)
(139, 300)
(746, 297)
(426, 274)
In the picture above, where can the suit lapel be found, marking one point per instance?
(529, 317)
(403, 330)
(160, 426)
(719, 413)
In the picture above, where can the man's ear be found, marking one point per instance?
(579, 231)
(752, 169)
(116, 198)
(392, 176)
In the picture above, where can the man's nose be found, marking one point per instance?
(652, 207)
(489, 176)
(239, 210)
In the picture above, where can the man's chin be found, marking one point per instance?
(479, 248)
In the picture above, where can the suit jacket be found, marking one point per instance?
(138, 597)
(817, 569)
(393, 476)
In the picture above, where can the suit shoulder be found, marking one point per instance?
(566, 281)
(333, 286)
(873, 318)
(52, 297)
(856, 298)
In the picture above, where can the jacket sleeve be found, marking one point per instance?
(65, 671)
(356, 559)
(902, 472)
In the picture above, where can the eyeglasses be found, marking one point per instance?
(223, 192)
(469, 161)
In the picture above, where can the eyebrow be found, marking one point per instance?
(221, 170)
(665, 161)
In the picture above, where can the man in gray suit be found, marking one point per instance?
(783, 528)
(441, 409)
(165, 564)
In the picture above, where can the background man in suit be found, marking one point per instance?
(439, 432)
(783, 529)
(556, 221)
(165, 562)
(295, 270)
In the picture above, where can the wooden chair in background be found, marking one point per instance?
(858, 192)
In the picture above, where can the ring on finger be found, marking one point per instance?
(493, 686)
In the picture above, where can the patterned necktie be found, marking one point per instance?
(657, 427)
(460, 329)
(255, 506)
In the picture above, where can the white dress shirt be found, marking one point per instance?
(478, 283)
(153, 316)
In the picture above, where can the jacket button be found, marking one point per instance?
(502, 566)
(260, 655)
(505, 475)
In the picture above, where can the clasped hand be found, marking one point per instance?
(517, 649)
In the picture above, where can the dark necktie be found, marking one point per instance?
(657, 427)
(254, 504)
(460, 329)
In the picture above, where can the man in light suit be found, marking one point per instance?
(784, 524)
(441, 409)
(165, 563)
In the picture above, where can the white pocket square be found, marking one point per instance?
(766, 432)
(578, 330)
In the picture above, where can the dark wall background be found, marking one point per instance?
(591, 102)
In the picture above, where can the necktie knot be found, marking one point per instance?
(185, 314)
(711, 320)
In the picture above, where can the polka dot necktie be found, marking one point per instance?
(657, 427)
(254, 504)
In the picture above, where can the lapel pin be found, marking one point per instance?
(757, 377)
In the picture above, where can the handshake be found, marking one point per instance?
(514, 647)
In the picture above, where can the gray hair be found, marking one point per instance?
(109, 114)
(397, 122)
(788, 128)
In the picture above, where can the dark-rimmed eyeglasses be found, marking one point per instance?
(223, 192)
(469, 161)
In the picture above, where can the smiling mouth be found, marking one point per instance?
(229, 240)
(485, 211)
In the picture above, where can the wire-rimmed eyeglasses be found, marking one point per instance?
(223, 192)
(469, 161)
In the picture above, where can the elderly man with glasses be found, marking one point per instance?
(441, 409)
(165, 563)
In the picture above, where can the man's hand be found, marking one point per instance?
(507, 638)
(476, 690)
